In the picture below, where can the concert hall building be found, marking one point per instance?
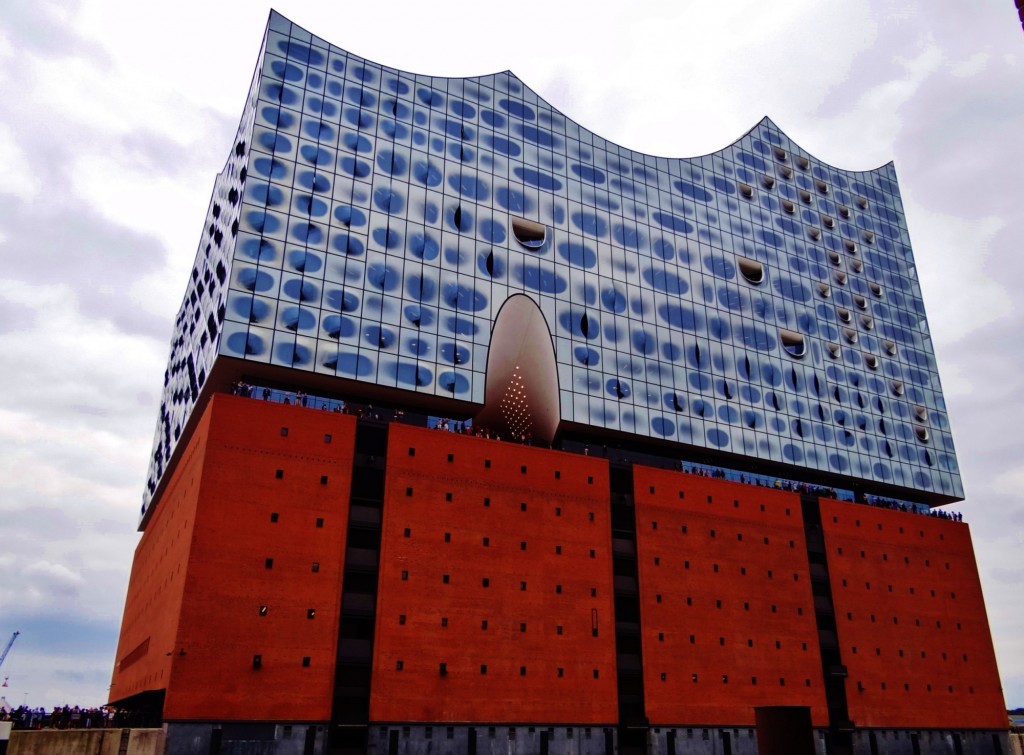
(481, 433)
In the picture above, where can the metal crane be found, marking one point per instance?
(7, 649)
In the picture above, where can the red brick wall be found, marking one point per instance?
(222, 579)
(560, 541)
(725, 600)
(911, 620)
(155, 589)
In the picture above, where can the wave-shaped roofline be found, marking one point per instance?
(765, 120)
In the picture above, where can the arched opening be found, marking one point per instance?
(521, 395)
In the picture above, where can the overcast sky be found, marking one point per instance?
(115, 117)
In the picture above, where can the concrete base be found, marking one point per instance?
(87, 742)
(931, 742)
(245, 739)
(491, 740)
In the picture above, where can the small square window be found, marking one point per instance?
(305, 661)
(279, 474)
(407, 532)
(408, 491)
(257, 661)
(487, 463)
(320, 522)
(590, 516)
(558, 589)
(590, 480)
(483, 625)
(487, 582)
(487, 502)
(522, 626)
(327, 438)
(593, 592)
(444, 621)
(522, 671)
(284, 432)
(274, 517)
(444, 579)
(558, 475)
(401, 619)
(451, 457)
(447, 537)
(268, 563)
(323, 479)
(405, 576)
(316, 567)
(487, 542)
(522, 585)
(412, 452)
(263, 610)
(483, 668)
(522, 469)
(448, 496)
(558, 510)
(597, 675)
(558, 629)
(593, 553)
(310, 613)
(399, 665)
(561, 672)
(522, 506)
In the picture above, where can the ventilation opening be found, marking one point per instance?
(862, 202)
(844, 212)
(871, 361)
(780, 154)
(792, 342)
(850, 334)
(920, 413)
(897, 387)
(890, 347)
(834, 258)
(860, 301)
(785, 171)
(840, 277)
(788, 206)
(833, 350)
(824, 291)
(805, 196)
(814, 233)
(921, 432)
(868, 236)
(844, 314)
(851, 245)
(867, 323)
(821, 186)
(528, 233)
(828, 221)
(752, 270)
(803, 163)
(857, 266)
(876, 289)
(767, 182)
(747, 190)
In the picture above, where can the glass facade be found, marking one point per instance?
(370, 224)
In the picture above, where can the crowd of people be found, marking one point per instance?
(67, 717)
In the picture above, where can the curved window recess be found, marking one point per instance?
(747, 190)
(788, 206)
(767, 181)
(794, 343)
(860, 301)
(871, 361)
(814, 233)
(897, 387)
(824, 291)
(803, 163)
(780, 154)
(844, 314)
(457, 217)
(785, 171)
(835, 259)
(876, 289)
(920, 413)
(530, 234)
(844, 211)
(805, 196)
(921, 432)
(850, 245)
(751, 270)
(850, 334)
(868, 236)
(867, 323)
(862, 202)
(833, 350)
(828, 221)
(840, 277)
(821, 186)
(857, 266)
(890, 347)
